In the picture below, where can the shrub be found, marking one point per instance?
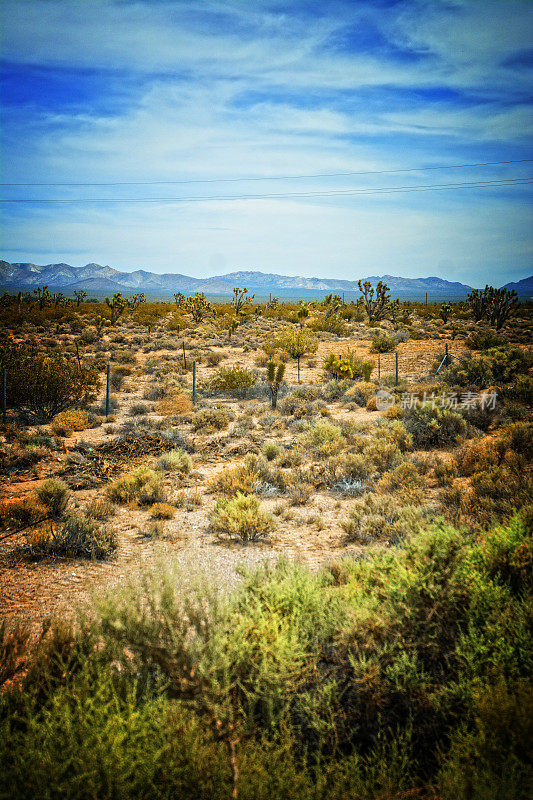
(100, 508)
(142, 484)
(78, 537)
(360, 393)
(174, 404)
(210, 419)
(162, 511)
(484, 340)
(300, 492)
(53, 494)
(322, 439)
(382, 343)
(405, 482)
(348, 366)
(68, 421)
(241, 516)
(214, 359)
(175, 461)
(271, 450)
(44, 384)
(433, 426)
(229, 379)
(230, 480)
(496, 366)
(378, 518)
(21, 513)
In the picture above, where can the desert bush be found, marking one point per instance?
(484, 339)
(154, 393)
(162, 511)
(175, 461)
(322, 439)
(300, 492)
(348, 366)
(241, 516)
(270, 450)
(78, 537)
(405, 482)
(188, 499)
(214, 358)
(117, 380)
(360, 393)
(433, 426)
(21, 513)
(382, 343)
(381, 455)
(66, 422)
(138, 409)
(100, 508)
(142, 485)
(53, 494)
(228, 379)
(230, 480)
(210, 419)
(174, 404)
(124, 357)
(496, 366)
(43, 384)
(378, 518)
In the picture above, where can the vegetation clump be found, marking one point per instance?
(142, 485)
(229, 379)
(241, 516)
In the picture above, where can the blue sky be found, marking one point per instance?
(198, 91)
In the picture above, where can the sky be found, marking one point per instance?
(187, 103)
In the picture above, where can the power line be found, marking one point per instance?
(331, 193)
(280, 177)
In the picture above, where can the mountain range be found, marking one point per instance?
(98, 279)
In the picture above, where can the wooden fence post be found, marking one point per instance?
(193, 382)
(107, 388)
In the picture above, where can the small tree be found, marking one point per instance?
(302, 314)
(117, 306)
(197, 306)
(275, 374)
(477, 301)
(43, 296)
(376, 301)
(179, 299)
(500, 305)
(240, 299)
(296, 343)
(445, 311)
(80, 296)
(137, 300)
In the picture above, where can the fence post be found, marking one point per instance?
(446, 354)
(184, 357)
(107, 387)
(4, 394)
(379, 366)
(193, 382)
(396, 383)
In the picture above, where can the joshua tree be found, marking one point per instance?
(117, 306)
(477, 300)
(179, 299)
(500, 305)
(302, 314)
(232, 327)
(445, 311)
(197, 306)
(137, 300)
(80, 297)
(275, 375)
(43, 296)
(240, 299)
(378, 306)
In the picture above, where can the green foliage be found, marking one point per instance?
(142, 485)
(175, 461)
(499, 365)
(78, 537)
(348, 366)
(433, 426)
(322, 439)
(197, 306)
(44, 384)
(378, 518)
(445, 311)
(495, 305)
(377, 307)
(229, 379)
(53, 494)
(210, 419)
(382, 343)
(241, 516)
(484, 339)
(275, 375)
(296, 342)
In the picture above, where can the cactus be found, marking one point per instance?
(275, 375)
(179, 299)
(500, 305)
(197, 306)
(302, 313)
(232, 327)
(444, 312)
(80, 296)
(477, 300)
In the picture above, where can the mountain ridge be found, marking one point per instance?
(98, 278)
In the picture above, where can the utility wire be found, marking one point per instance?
(332, 193)
(280, 177)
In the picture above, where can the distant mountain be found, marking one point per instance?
(97, 279)
(523, 288)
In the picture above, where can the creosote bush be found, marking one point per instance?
(210, 419)
(142, 485)
(228, 379)
(379, 518)
(241, 516)
(433, 426)
(175, 461)
(53, 494)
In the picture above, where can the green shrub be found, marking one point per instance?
(348, 366)
(210, 419)
(228, 379)
(484, 340)
(78, 537)
(497, 366)
(175, 461)
(53, 494)
(378, 518)
(433, 426)
(43, 384)
(271, 450)
(322, 439)
(142, 484)
(241, 516)
(382, 343)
